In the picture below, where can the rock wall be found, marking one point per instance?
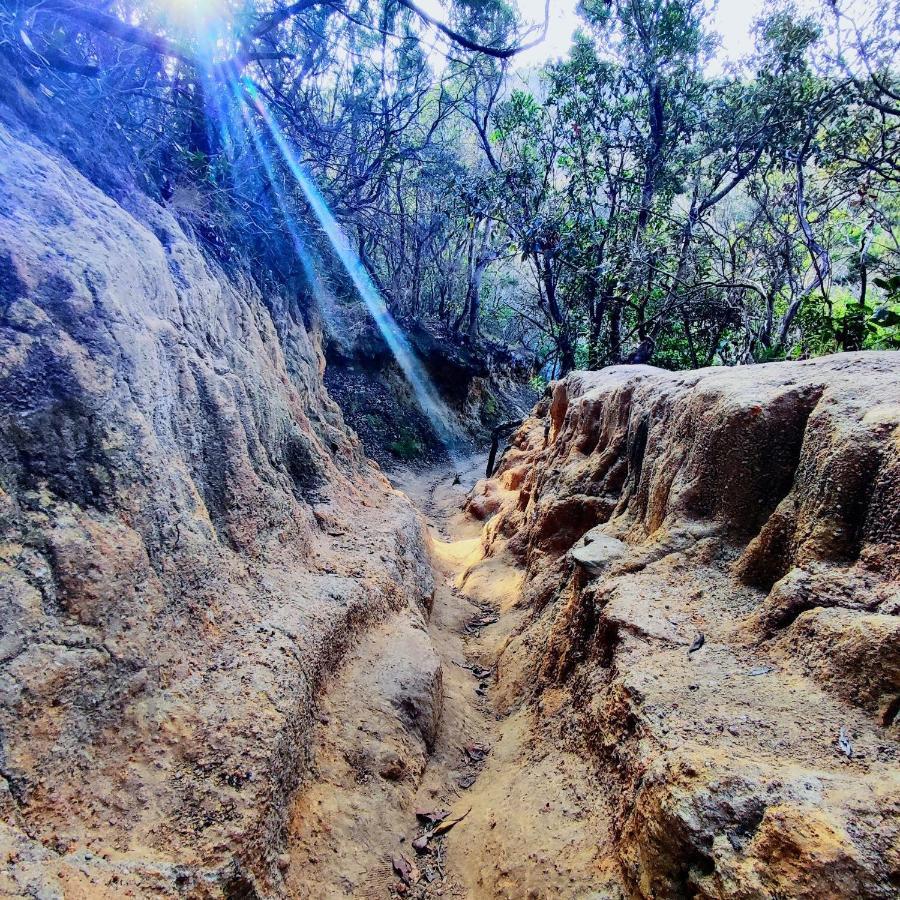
(190, 539)
(481, 387)
(713, 578)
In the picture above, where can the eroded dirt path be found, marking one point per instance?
(420, 719)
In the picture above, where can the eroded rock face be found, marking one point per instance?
(757, 507)
(190, 539)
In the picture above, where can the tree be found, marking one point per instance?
(620, 204)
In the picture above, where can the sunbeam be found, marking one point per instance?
(439, 416)
(321, 292)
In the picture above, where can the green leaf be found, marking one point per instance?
(885, 317)
(891, 285)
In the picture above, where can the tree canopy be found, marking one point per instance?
(629, 202)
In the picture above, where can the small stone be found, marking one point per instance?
(597, 552)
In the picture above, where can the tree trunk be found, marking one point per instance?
(596, 357)
(820, 257)
(478, 266)
(566, 353)
(615, 331)
(695, 363)
(854, 331)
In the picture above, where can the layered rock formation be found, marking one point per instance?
(713, 579)
(191, 539)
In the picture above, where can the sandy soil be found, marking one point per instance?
(529, 825)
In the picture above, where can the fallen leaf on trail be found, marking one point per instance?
(699, 641)
(844, 744)
(480, 622)
(433, 816)
(476, 752)
(420, 844)
(466, 781)
(444, 827)
(407, 871)
(760, 670)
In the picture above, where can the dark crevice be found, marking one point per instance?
(637, 448)
(775, 468)
(12, 286)
(239, 887)
(211, 475)
(890, 713)
(55, 433)
(303, 465)
(768, 561)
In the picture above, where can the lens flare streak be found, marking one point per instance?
(432, 405)
(321, 293)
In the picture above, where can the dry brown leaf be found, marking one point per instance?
(446, 825)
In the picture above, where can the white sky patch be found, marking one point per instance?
(732, 20)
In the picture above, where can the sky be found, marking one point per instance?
(732, 20)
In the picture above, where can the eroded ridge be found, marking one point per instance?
(711, 574)
(190, 540)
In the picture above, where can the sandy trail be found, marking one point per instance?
(373, 768)
(529, 829)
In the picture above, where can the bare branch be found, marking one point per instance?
(132, 34)
(463, 41)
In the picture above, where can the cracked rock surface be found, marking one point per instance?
(758, 507)
(190, 540)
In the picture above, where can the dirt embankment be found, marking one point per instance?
(481, 386)
(667, 666)
(710, 618)
(190, 540)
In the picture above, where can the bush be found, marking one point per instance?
(407, 446)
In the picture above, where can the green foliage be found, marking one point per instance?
(714, 220)
(408, 446)
(883, 325)
(621, 202)
(538, 383)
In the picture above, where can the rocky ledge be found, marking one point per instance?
(713, 585)
(190, 539)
